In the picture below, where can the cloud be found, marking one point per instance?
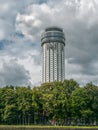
(8, 13)
(12, 73)
(5, 29)
(32, 65)
(22, 23)
(88, 10)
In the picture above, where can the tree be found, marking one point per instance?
(8, 99)
(85, 102)
(10, 114)
(1, 105)
(24, 104)
(37, 104)
(55, 103)
(70, 86)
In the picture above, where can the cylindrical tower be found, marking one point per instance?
(53, 58)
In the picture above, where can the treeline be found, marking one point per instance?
(61, 103)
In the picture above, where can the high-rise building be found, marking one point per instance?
(53, 58)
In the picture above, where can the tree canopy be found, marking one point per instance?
(51, 103)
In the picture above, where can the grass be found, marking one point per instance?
(45, 127)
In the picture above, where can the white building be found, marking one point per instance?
(53, 58)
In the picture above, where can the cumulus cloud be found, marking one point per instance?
(22, 23)
(79, 20)
(8, 13)
(12, 73)
(32, 65)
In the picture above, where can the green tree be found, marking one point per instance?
(10, 114)
(37, 104)
(56, 98)
(24, 104)
(70, 86)
(85, 102)
(1, 105)
(8, 99)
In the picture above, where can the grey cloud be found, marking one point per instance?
(13, 74)
(80, 29)
(8, 13)
(17, 46)
(37, 59)
(5, 29)
(79, 23)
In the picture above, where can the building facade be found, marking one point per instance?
(53, 55)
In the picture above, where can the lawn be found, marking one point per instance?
(33, 127)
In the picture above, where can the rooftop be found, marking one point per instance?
(54, 28)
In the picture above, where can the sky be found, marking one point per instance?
(21, 25)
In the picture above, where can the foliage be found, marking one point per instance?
(56, 103)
